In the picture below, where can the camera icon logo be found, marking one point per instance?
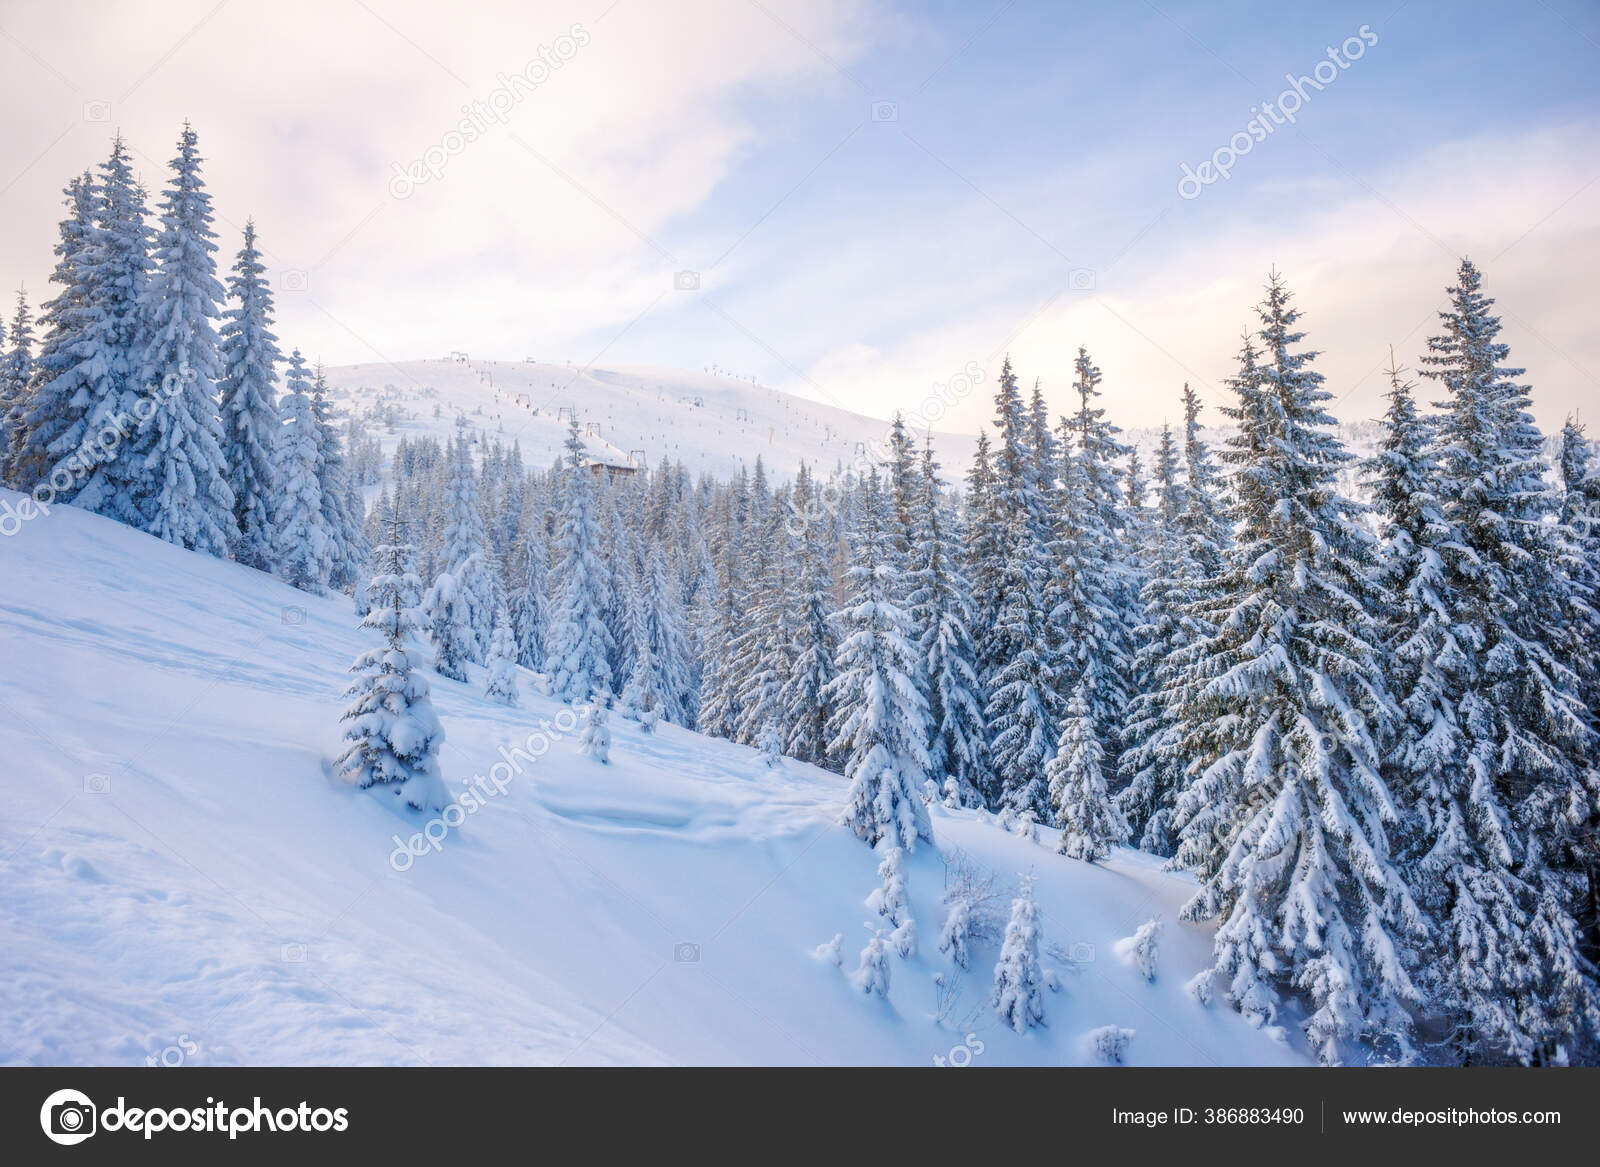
(1081, 279)
(97, 111)
(686, 281)
(293, 953)
(68, 1117)
(885, 111)
(293, 279)
(686, 953)
(294, 616)
(97, 783)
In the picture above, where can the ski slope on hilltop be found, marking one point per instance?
(184, 881)
(713, 424)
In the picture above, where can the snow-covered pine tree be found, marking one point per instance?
(765, 649)
(1152, 761)
(983, 552)
(342, 511)
(118, 267)
(596, 740)
(1090, 822)
(1093, 600)
(500, 685)
(880, 728)
(302, 550)
(1505, 813)
(940, 607)
(579, 643)
(250, 420)
(52, 419)
(459, 610)
(181, 491)
(805, 709)
(661, 625)
(393, 733)
(1287, 821)
(1082, 592)
(16, 371)
(530, 603)
(1579, 469)
(1015, 650)
(1205, 521)
(1018, 982)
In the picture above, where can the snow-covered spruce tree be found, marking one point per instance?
(447, 613)
(1511, 812)
(501, 683)
(596, 740)
(181, 492)
(1579, 469)
(116, 267)
(51, 420)
(662, 637)
(1090, 822)
(1205, 522)
(579, 643)
(1152, 760)
(393, 733)
(1100, 617)
(530, 604)
(460, 611)
(302, 551)
(250, 420)
(1287, 820)
(1081, 594)
(805, 709)
(342, 507)
(1016, 650)
(1022, 710)
(983, 553)
(940, 607)
(880, 728)
(765, 649)
(16, 371)
(892, 900)
(1018, 983)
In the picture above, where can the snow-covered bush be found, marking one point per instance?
(1109, 1043)
(596, 741)
(1141, 949)
(873, 974)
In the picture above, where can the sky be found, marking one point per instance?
(858, 202)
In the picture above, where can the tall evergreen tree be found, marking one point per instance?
(303, 552)
(580, 643)
(1505, 807)
(1090, 822)
(940, 607)
(119, 264)
(393, 733)
(881, 727)
(250, 420)
(1152, 764)
(1284, 722)
(181, 491)
(806, 710)
(16, 371)
(52, 420)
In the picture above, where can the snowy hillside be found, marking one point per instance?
(713, 424)
(184, 882)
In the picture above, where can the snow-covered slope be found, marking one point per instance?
(714, 424)
(183, 881)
